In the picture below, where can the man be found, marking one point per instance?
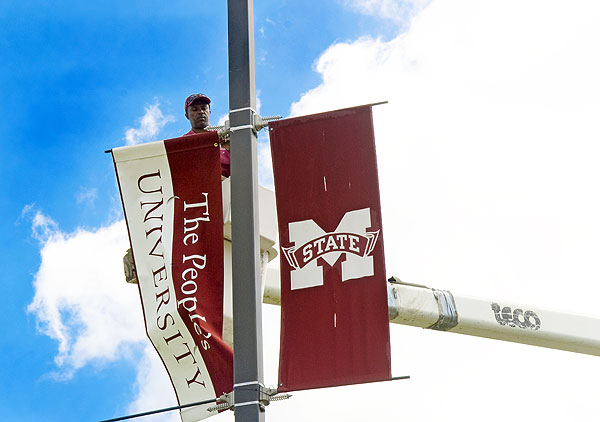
(197, 111)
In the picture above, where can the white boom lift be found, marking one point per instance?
(420, 306)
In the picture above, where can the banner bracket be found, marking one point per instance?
(258, 123)
(265, 397)
(224, 402)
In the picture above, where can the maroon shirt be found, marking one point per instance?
(224, 156)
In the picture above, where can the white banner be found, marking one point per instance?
(171, 193)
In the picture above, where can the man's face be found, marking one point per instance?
(198, 113)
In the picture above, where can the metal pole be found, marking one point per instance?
(247, 318)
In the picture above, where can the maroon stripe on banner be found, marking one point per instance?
(334, 315)
(197, 261)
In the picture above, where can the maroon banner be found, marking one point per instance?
(197, 260)
(171, 193)
(334, 314)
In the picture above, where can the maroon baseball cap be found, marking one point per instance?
(196, 97)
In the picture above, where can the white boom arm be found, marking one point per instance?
(421, 306)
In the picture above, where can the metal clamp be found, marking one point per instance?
(267, 395)
(264, 398)
(224, 131)
(448, 314)
(263, 122)
(224, 402)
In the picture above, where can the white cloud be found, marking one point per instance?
(83, 302)
(258, 101)
(487, 155)
(88, 195)
(153, 388)
(222, 119)
(265, 166)
(42, 226)
(490, 134)
(81, 299)
(395, 10)
(150, 124)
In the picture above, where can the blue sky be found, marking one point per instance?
(75, 76)
(488, 155)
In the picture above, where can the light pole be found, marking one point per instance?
(247, 297)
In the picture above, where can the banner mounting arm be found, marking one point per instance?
(267, 395)
(258, 123)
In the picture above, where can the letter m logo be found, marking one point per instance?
(350, 238)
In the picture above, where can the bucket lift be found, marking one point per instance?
(415, 304)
